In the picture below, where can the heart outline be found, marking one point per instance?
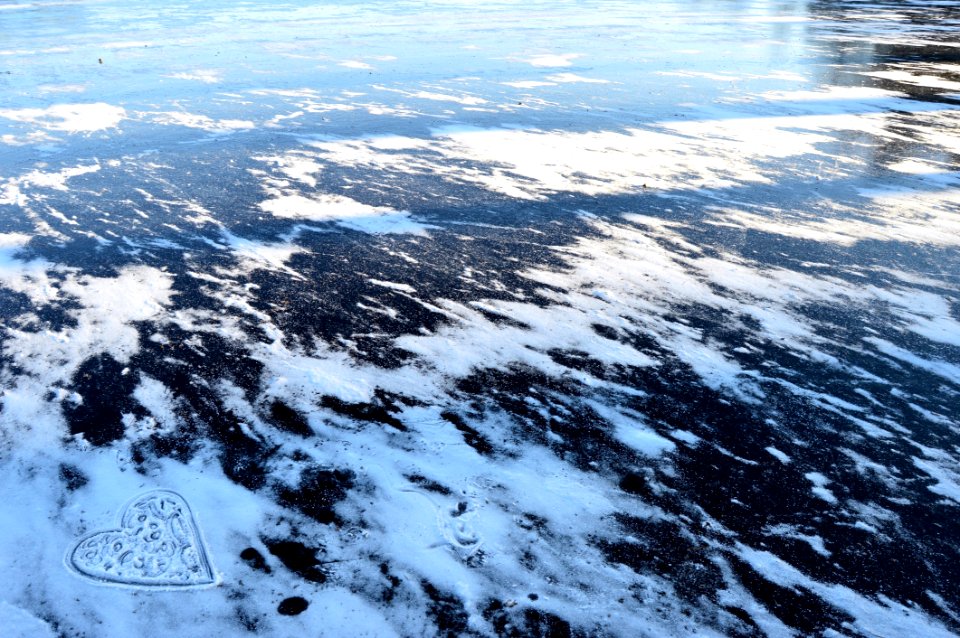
(178, 544)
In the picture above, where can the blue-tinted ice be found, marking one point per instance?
(481, 319)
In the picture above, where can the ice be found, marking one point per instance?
(554, 318)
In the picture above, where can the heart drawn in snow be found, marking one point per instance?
(158, 545)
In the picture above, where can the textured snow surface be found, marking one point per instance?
(451, 318)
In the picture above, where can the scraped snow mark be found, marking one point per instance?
(158, 544)
(446, 538)
(69, 118)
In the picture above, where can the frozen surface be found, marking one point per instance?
(543, 318)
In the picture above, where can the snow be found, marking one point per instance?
(567, 78)
(355, 64)
(106, 310)
(192, 120)
(643, 441)
(160, 402)
(69, 118)
(19, 623)
(267, 255)
(345, 211)
(819, 487)
(207, 76)
(779, 455)
(552, 59)
(869, 616)
(528, 84)
(559, 321)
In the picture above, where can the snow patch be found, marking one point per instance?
(69, 118)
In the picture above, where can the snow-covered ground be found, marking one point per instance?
(540, 318)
